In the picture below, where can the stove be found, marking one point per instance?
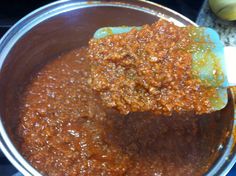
(13, 10)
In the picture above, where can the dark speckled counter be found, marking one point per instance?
(226, 29)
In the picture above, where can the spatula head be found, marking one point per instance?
(208, 60)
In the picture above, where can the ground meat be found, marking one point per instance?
(65, 130)
(148, 70)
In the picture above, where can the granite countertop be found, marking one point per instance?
(226, 29)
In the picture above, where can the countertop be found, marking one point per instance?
(226, 29)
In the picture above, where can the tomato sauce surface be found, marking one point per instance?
(65, 129)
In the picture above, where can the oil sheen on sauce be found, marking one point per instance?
(65, 130)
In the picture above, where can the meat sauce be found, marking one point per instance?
(149, 70)
(65, 129)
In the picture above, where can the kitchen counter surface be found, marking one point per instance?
(226, 29)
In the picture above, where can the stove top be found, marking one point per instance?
(13, 10)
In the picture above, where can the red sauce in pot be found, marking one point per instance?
(65, 128)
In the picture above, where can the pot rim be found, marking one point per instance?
(45, 12)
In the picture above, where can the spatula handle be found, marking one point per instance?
(230, 60)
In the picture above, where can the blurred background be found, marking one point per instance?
(12, 10)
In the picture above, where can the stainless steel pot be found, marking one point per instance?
(68, 24)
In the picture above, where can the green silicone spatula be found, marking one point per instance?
(216, 68)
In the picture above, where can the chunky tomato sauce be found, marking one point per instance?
(65, 129)
(149, 70)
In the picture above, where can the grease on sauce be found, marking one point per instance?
(65, 130)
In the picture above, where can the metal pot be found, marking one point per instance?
(68, 24)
